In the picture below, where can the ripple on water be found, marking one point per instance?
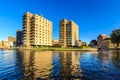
(15, 65)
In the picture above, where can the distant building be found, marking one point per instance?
(104, 41)
(55, 42)
(79, 43)
(19, 38)
(12, 39)
(0, 44)
(68, 33)
(7, 44)
(84, 44)
(37, 31)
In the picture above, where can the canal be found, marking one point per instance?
(59, 65)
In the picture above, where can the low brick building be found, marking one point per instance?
(104, 41)
(55, 42)
(79, 43)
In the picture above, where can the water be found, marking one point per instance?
(59, 65)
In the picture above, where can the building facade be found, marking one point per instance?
(19, 38)
(55, 42)
(0, 44)
(37, 31)
(79, 43)
(68, 33)
(12, 39)
(104, 41)
(7, 44)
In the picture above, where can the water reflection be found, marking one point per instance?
(63, 65)
(103, 55)
(10, 65)
(115, 57)
(37, 64)
(70, 66)
(110, 56)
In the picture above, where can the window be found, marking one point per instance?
(36, 24)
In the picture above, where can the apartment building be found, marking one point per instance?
(19, 38)
(68, 33)
(37, 31)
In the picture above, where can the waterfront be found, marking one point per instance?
(84, 65)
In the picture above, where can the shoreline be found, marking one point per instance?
(53, 49)
(63, 49)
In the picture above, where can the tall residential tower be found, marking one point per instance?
(68, 33)
(37, 31)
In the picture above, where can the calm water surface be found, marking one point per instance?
(59, 65)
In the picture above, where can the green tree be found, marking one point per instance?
(115, 37)
(93, 43)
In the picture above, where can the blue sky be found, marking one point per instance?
(94, 17)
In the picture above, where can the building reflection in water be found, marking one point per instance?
(109, 58)
(70, 66)
(109, 55)
(115, 57)
(59, 65)
(66, 64)
(37, 64)
(103, 55)
(48, 64)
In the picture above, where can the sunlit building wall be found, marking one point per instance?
(68, 33)
(11, 39)
(104, 41)
(37, 30)
(7, 44)
(55, 42)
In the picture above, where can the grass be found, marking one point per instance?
(62, 49)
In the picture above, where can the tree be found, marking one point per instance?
(115, 37)
(93, 43)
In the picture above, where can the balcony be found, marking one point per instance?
(24, 27)
(24, 33)
(24, 23)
